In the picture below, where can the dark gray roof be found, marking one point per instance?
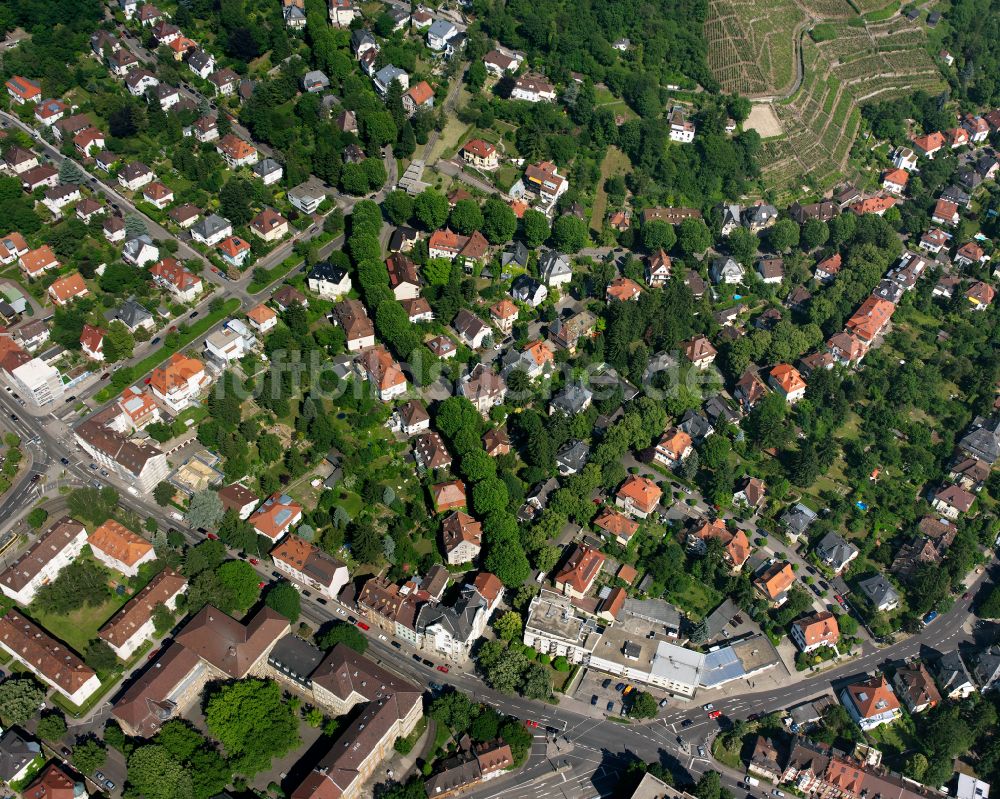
(516, 253)
(717, 407)
(211, 225)
(835, 551)
(573, 455)
(295, 658)
(524, 287)
(987, 667)
(457, 619)
(879, 590)
(982, 440)
(400, 236)
(950, 671)
(798, 518)
(132, 314)
(267, 166)
(361, 36)
(696, 426)
(16, 751)
(572, 399)
(327, 272)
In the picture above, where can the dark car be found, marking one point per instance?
(155, 340)
(620, 687)
(686, 723)
(64, 461)
(65, 751)
(593, 699)
(611, 707)
(321, 600)
(70, 399)
(35, 478)
(396, 645)
(606, 684)
(416, 657)
(428, 663)
(352, 620)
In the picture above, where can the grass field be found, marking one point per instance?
(80, 627)
(615, 163)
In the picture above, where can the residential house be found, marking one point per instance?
(158, 195)
(771, 270)
(945, 213)
(315, 81)
(877, 205)
(980, 295)
(89, 140)
(51, 552)
(775, 582)
(225, 81)
(170, 274)
(380, 369)
(787, 381)
(750, 493)
(472, 330)
(871, 703)
(48, 659)
(616, 525)
(658, 268)
(306, 564)
(66, 289)
(576, 576)
(500, 62)
(871, 320)
(430, 453)
(726, 271)
(927, 146)
(461, 538)
(34, 262)
(386, 76)
(342, 13)
(699, 351)
(211, 230)
(261, 318)
(139, 81)
(880, 592)
(480, 154)
(234, 251)
(623, 289)
(417, 310)
(269, 225)
(403, 278)
(137, 411)
(236, 152)
(503, 315)
(58, 197)
(201, 63)
(735, 545)
(952, 501)
(797, 519)
(571, 457)
(358, 328)
(814, 631)
(132, 626)
(953, 677)
(681, 130)
(420, 96)
(904, 158)
(448, 496)
(533, 88)
(238, 498)
(749, 390)
(894, 181)
(140, 251)
(567, 333)
(544, 182)
(572, 400)
(88, 209)
(138, 463)
(13, 247)
(483, 388)
(673, 448)
(268, 170)
(18, 160)
(986, 668)
(43, 176)
(555, 268)
(836, 552)
(179, 382)
(759, 217)
(92, 342)
(330, 282)
(970, 254)
(23, 90)
(19, 756)
(526, 289)
(638, 496)
(278, 515)
(915, 687)
(411, 418)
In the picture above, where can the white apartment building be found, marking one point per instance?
(36, 380)
(41, 563)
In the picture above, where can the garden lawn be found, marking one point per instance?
(697, 599)
(80, 627)
(615, 163)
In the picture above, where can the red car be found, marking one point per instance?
(443, 668)
(147, 380)
(363, 626)
(530, 724)
(261, 584)
(254, 561)
(212, 536)
(715, 714)
(152, 654)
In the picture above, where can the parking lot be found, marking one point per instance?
(603, 686)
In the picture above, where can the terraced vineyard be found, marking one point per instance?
(750, 50)
(863, 61)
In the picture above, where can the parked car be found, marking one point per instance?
(396, 645)
(593, 699)
(707, 707)
(686, 723)
(611, 707)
